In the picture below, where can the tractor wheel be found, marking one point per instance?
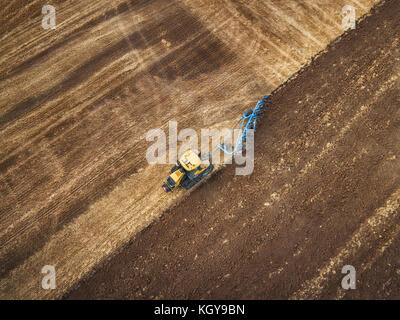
(188, 183)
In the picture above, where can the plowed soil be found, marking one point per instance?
(324, 194)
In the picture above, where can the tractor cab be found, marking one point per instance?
(189, 170)
(190, 160)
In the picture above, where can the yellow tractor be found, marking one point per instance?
(190, 169)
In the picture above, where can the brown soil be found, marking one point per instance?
(77, 102)
(324, 193)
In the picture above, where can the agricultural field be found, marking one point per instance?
(77, 191)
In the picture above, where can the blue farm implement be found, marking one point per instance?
(193, 167)
(248, 121)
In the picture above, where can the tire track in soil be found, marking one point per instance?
(366, 237)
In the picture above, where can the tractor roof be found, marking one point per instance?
(190, 160)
